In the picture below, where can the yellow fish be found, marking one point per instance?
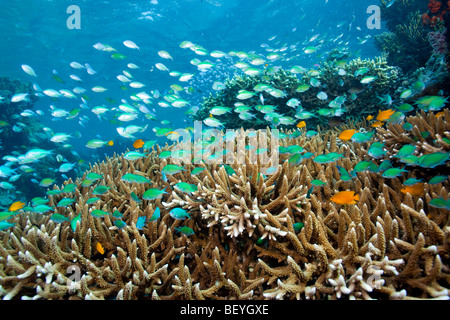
(345, 197)
(346, 134)
(139, 143)
(110, 143)
(369, 117)
(301, 124)
(377, 124)
(16, 206)
(385, 114)
(100, 248)
(415, 190)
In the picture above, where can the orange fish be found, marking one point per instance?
(301, 124)
(139, 143)
(385, 115)
(377, 124)
(110, 143)
(16, 206)
(369, 117)
(347, 134)
(439, 114)
(345, 197)
(100, 248)
(415, 190)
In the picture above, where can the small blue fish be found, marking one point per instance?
(140, 222)
(179, 214)
(155, 214)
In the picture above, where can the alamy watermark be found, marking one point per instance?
(374, 21)
(74, 20)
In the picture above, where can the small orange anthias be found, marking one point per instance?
(436, 12)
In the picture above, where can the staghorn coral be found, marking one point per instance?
(389, 245)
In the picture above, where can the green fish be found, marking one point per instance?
(393, 173)
(53, 192)
(64, 202)
(407, 126)
(179, 214)
(148, 144)
(120, 224)
(185, 230)
(135, 197)
(316, 182)
(405, 107)
(376, 150)
(5, 225)
(98, 213)
(69, 188)
(117, 214)
(73, 222)
(345, 175)
(437, 179)
(134, 155)
(411, 181)
(41, 208)
(92, 200)
(411, 159)
(87, 183)
(298, 226)
(134, 178)
(186, 187)
(440, 203)
(165, 154)
(152, 194)
(5, 215)
(365, 165)
(360, 137)
(197, 170)
(433, 160)
(406, 150)
(59, 218)
(118, 56)
(384, 165)
(368, 79)
(94, 176)
(38, 200)
(172, 169)
(295, 159)
(156, 214)
(100, 190)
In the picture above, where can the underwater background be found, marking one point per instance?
(96, 203)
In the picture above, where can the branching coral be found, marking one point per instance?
(246, 242)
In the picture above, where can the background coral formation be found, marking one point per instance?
(337, 78)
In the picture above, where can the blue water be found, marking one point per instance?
(35, 33)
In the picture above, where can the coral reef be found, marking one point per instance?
(406, 45)
(346, 96)
(246, 241)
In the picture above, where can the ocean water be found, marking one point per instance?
(103, 53)
(37, 34)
